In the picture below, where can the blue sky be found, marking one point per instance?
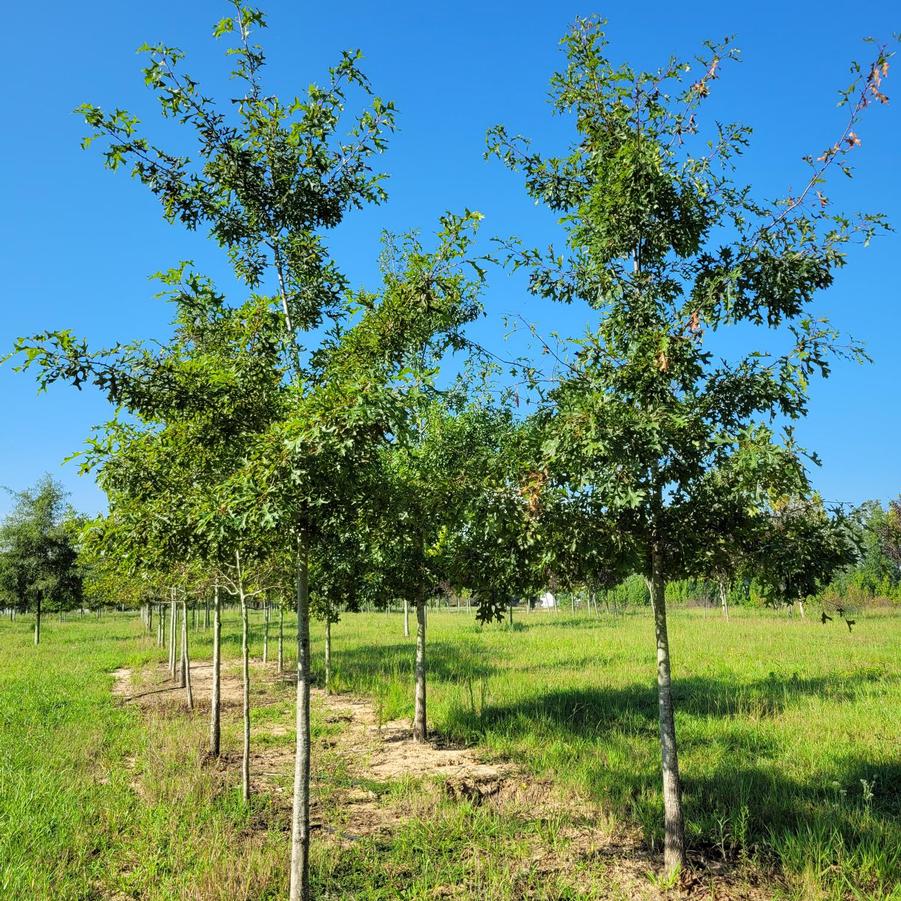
(78, 243)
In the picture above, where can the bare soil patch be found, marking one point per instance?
(152, 687)
(377, 755)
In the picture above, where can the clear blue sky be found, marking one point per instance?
(78, 242)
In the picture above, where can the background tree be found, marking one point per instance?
(39, 554)
(801, 548)
(889, 532)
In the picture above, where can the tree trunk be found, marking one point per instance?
(328, 654)
(182, 671)
(215, 701)
(149, 617)
(281, 638)
(674, 828)
(420, 724)
(37, 623)
(406, 618)
(185, 656)
(173, 628)
(160, 625)
(265, 631)
(801, 608)
(300, 814)
(724, 598)
(245, 702)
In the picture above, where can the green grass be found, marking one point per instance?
(789, 740)
(789, 730)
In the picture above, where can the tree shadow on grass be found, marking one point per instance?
(841, 821)
(740, 796)
(839, 826)
(446, 662)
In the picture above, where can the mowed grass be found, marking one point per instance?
(789, 731)
(789, 737)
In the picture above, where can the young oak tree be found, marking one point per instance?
(266, 178)
(667, 247)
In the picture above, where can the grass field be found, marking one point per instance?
(789, 736)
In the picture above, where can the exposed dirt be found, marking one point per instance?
(392, 753)
(377, 755)
(152, 688)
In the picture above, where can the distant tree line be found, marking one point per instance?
(873, 575)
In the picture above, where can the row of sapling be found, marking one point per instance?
(254, 475)
(301, 431)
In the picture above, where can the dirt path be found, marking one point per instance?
(359, 760)
(152, 687)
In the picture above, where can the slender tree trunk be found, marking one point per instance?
(160, 625)
(300, 814)
(245, 673)
(266, 631)
(182, 669)
(173, 628)
(724, 598)
(406, 618)
(281, 639)
(674, 828)
(215, 701)
(328, 654)
(420, 723)
(801, 608)
(186, 656)
(149, 617)
(37, 623)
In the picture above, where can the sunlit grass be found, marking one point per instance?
(788, 729)
(790, 752)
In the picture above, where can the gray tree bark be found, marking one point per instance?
(420, 721)
(300, 814)
(185, 655)
(182, 671)
(265, 631)
(37, 622)
(328, 654)
(724, 598)
(281, 639)
(406, 618)
(173, 629)
(674, 826)
(215, 700)
(245, 673)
